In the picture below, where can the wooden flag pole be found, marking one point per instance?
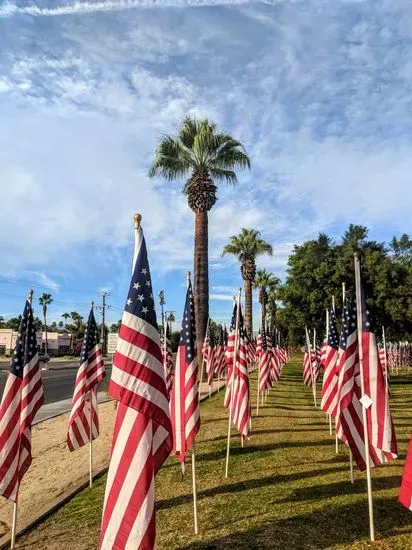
(232, 382)
(15, 507)
(194, 484)
(316, 359)
(386, 359)
(364, 419)
(91, 429)
(310, 362)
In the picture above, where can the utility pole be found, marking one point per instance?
(103, 296)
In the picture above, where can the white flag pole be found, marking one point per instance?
(334, 311)
(316, 359)
(232, 382)
(91, 429)
(385, 359)
(310, 362)
(364, 419)
(328, 416)
(194, 485)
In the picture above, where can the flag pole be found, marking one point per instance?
(14, 520)
(193, 455)
(364, 419)
(91, 429)
(386, 359)
(310, 361)
(329, 416)
(232, 382)
(334, 311)
(314, 351)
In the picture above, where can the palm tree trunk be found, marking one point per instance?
(264, 314)
(201, 280)
(248, 307)
(45, 333)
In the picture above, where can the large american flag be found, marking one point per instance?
(22, 398)
(405, 493)
(184, 403)
(330, 375)
(264, 363)
(142, 437)
(229, 353)
(84, 419)
(241, 406)
(349, 421)
(168, 360)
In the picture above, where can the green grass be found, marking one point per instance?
(287, 489)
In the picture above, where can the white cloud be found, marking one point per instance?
(221, 297)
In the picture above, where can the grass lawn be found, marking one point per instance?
(286, 489)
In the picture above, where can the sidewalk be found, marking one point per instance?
(50, 410)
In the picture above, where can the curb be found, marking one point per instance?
(68, 495)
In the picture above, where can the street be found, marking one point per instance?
(58, 384)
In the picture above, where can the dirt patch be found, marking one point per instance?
(55, 469)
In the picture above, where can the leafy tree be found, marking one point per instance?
(45, 300)
(206, 155)
(115, 327)
(246, 247)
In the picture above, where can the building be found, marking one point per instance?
(57, 344)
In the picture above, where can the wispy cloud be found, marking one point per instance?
(221, 297)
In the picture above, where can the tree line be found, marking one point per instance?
(317, 268)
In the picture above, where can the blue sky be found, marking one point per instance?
(319, 92)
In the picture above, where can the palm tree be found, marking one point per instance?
(273, 295)
(77, 320)
(265, 281)
(65, 317)
(246, 246)
(171, 319)
(45, 300)
(205, 155)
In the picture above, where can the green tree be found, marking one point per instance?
(265, 281)
(45, 300)
(78, 323)
(115, 327)
(205, 155)
(246, 247)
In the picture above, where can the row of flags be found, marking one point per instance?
(356, 388)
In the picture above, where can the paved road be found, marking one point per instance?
(57, 384)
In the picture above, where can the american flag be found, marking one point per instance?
(330, 376)
(349, 421)
(211, 356)
(264, 363)
(405, 492)
(275, 371)
(142, 437)
(184, 403)
(241, 406)
(307, 367)
(229, 353)
(84, 419)
(168, 360)
(220, 353)
(22, 398)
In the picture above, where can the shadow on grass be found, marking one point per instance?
(246, 485)
(320, 529)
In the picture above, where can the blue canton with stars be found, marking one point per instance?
(26, 343)
(233, 320)
(140, 301)
(188, 332)
(366, 324)
(263, 340)
(333, 339)
(348, 322)
(91, 338)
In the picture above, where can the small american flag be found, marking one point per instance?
(22, 398)
(184, 403)
(84, 419)
(142, 437)
(264, 363)
(330, 375)
(241, 407)
(307, 367)
(168, 360)
(230, 347)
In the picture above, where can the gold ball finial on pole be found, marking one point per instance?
(92, 304)
(137, 219)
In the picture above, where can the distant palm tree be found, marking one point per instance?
(206, 155)
(272, 304)
(45, 300)
(65, 317)
(264, 281)
(171, 319)
(246, 246)
(77, 320)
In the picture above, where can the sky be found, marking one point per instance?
(319, 93)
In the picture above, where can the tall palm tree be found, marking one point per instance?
(77, 320)
(273, 295)
(206, 155)
(171, 319)
(45, 300)
(246, 246)
(65, 317)
(265, 281)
